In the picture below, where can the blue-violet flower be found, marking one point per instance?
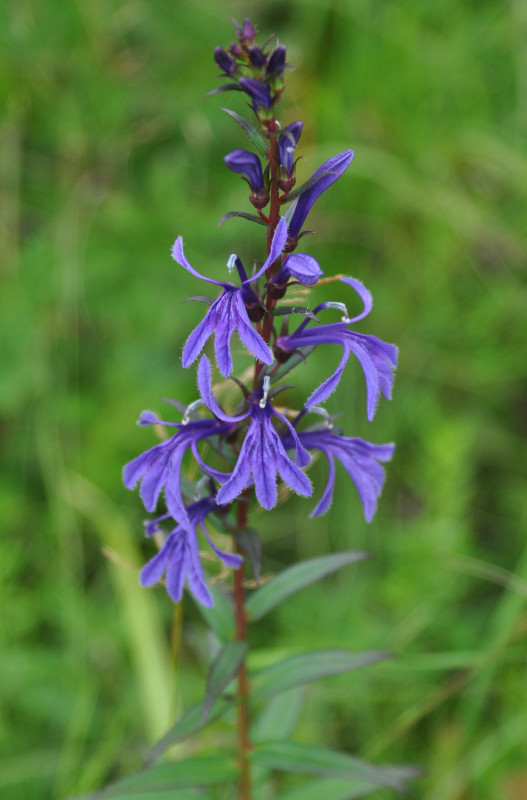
(228, 312)
(179, 555)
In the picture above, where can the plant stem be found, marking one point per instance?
(244, 744)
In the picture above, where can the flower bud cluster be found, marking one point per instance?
(259, 72)
(258, 441)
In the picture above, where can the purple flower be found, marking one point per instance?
(360, 460)
(179, 556)
(377, 358)
(248, 164)
(276, 64)
(247, 32)
(262, 453)
(259, 92)
(329, 172)
(257, 57)
(287, 143)
(161, 465)
(224, 61)
(228, 312)
(301, 266)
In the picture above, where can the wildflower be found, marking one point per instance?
(248, 165)
(262, 453)
(287, 142)
(224, 61)
(228, 312)
(160, 466)
(359, 458)
(377, 358)
(276, 64)
(258, 91)
(179, 556)
(329, 172)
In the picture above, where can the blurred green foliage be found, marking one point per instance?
(109, 150)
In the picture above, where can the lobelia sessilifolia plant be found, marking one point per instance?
(246, 448)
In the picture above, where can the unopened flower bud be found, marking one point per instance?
(224, 61)
(276, 63)
(248, 164)
(257, 57)
(259, 92)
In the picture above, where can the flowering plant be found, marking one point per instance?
(247, 447)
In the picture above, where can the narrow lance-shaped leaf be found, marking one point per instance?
(251, 132)
(279, 716)
(281, 311)
(297, 357)
(250, 542)
(189, 724)
(312, 760)
(223, 670)
(310, 667)
(173, 775)
(243, 215)
(220, 616)
(331, 789)
(305, 186)
(294, 578)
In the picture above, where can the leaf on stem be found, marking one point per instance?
(243, 214)
(220, 616)
(310, 667)
(250, 542)
(281, 311)
(189, 724)
(313, 760)
(225, 666)
(156, 782)
(251, 132)
(298, 356)
(294, 578)
(305, 186)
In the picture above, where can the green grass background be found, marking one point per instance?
(108, 151)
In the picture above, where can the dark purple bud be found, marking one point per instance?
(248, 32)
(235, 50)
(329, 172)
(259, 92)
(276, 64)
(287, 142)
(224, 61)
(247, 164)
(257, 58)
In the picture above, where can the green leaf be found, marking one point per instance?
(281, 311)
(221, 616)
(250, 542)
(292, 579)
(301, 189)
(330, 789)
(189, 724)
(243, 214)
(313, 760)
(310, 667)
(279, 716)
(171, 775)
(155, 794)
(227, 87)
(223, 670)
(299, 355)
(251, 132)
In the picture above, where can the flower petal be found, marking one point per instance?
(179, 256)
